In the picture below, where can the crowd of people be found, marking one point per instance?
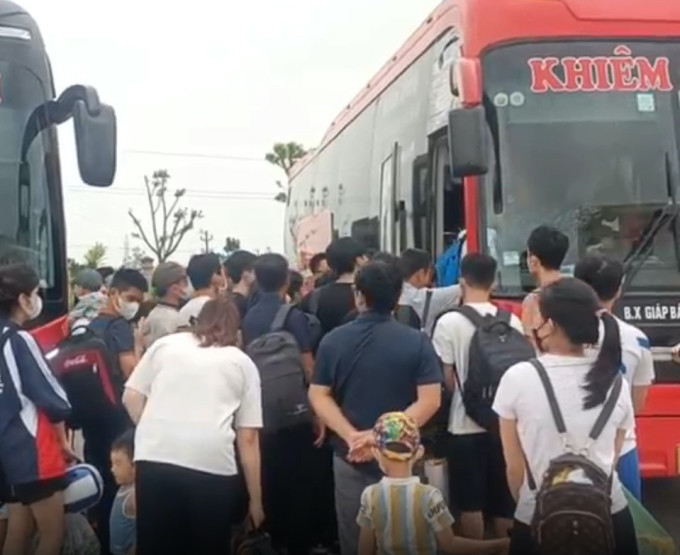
(242, 398)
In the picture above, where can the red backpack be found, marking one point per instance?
(84, 365)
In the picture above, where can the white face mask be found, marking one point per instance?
(36, 306)
(128, 310)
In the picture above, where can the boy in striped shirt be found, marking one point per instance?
(400, 514)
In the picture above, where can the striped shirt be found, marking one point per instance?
(405, 515)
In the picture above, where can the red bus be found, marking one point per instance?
(500, 115)
(32, 226)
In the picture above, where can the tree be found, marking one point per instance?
(285, 155)
(95, 256)
(134, 259)
(169, 222)
(231, 244)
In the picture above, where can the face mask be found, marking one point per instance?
(36, 307)
(538, 339)
(128, 310)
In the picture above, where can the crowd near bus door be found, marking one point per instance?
(388, 202)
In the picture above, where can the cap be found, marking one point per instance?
(167, 274)
(397, 436)
(90, 280)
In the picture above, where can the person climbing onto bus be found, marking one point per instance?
(546, 249)
(606, 277)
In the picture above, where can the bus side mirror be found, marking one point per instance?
(468, 142)
(96, 144)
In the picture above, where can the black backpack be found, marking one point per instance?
(574, 516)
(495, 347)
(407, 315)
(87, 371)
(284, 393)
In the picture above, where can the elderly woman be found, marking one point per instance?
(194, 395)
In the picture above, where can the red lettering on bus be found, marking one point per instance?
(620, 72)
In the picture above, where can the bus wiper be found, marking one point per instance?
(636, 258)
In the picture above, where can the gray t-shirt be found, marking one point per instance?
(162, 320)
(443, 300)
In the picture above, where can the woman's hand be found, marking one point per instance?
(69, 454)
(256, 513)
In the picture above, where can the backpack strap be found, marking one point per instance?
(475, 318)
(428, 304)
(552, 399)
(314, 298)
(279, 321)
(607, 409)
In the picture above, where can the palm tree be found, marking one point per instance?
(285, 156)
(95, 256)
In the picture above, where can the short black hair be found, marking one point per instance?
(295, 282)
(342, 255)
(128, 278)
(384, 256)
(478, 270)
(380, 283)
(239, 262)
(125, 443)
(549, 245)
(15, 280)
(316, 261)
(106, 271)
(202, 268)
(271, 272)
(604, 275)
(413, 261)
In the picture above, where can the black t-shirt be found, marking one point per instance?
(335, 302)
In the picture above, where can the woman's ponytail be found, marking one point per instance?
(601, 376)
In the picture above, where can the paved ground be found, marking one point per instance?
(662, 499)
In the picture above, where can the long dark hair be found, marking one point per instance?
(573, 306)
(15, 280)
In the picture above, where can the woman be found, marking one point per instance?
(188, 394)
(33, 407)
(569, 323)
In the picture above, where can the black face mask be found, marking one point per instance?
(537, 338)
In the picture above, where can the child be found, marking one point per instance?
(423, 521)
(123, 513)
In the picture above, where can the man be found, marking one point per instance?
(606, 277)
(125, 347)
(87, 288)
(364, 369)
(335, 300)
(418, 274)
(240, 272)
(171, 286)
(207, 278)
(286, 454)
(546, 249)
(476, 464)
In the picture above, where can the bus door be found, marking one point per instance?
(389, 206)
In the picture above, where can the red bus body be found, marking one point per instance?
(482, 25)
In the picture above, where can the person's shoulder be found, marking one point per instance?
(451, 319)
(632, 336)
(520, 370)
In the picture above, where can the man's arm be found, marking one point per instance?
(325, 407)
(134, 402)
(428, 402)
(298, 325)
(128, 345)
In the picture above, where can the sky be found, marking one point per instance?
(219, 80)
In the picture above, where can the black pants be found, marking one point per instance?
(98, 437)
(287, 486)
(324, 520)
(182, 511)
(521, 542)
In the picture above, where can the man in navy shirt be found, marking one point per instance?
(286, 454)
(364, 369)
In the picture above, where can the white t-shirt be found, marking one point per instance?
(521, 397)
(638, 365)
(191, 310)
(196, 396)
(451, 339)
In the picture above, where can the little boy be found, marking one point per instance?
(401, 515)
(123, 513)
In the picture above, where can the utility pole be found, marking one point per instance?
(206, 238)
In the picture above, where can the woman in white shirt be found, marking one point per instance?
(192, 396)
(569, 322)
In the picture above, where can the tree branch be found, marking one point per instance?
(142, 234)
(149, 194)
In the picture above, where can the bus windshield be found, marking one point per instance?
(25, 207)
(584, 139)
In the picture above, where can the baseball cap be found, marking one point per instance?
(167, 274)
(397, 436)
(90, 280)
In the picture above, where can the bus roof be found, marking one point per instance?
(482, 23)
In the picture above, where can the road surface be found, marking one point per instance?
(662, 498)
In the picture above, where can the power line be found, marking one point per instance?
(205, 194)
(233, 157)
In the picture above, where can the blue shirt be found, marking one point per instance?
(374, 365)
(258, 321)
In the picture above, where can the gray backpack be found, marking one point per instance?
(284, 393)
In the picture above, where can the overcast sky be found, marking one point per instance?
(214, 78)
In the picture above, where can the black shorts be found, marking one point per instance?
(31, 492)
(477, 479)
